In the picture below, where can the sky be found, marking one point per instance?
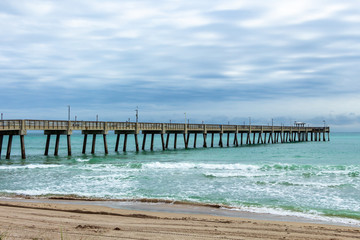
(217, 61)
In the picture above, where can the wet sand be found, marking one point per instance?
(54, 220)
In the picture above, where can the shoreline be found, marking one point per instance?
(76, 220)
(181, 207)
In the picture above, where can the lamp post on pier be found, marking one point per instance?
(137, 114)
(68, 112)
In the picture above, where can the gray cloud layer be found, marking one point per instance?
(222, 60)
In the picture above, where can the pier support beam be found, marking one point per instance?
(22, 145)
(167, 140)
(144, 142)
(68, 144)
(162, 141)
(152, 142)
(93, 144)
(8, 152)
(105, 144)
(1, 143)
(125, 142)
(195, 137)
(47, 145)
(84, 144)
(212, 140)
(220, 140)
(57, 142)
(205, 144)
(117, 142)
(186, 140)
(136, 142)
(175, 140)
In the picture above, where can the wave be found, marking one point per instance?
(29, 166)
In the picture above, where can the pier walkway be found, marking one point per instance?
(254, 134)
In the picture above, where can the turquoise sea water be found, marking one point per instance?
(317, 180)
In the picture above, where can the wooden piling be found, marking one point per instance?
(254, 138)
(68, 140)
(117, 142)
(125, 142)
(84, 144)
(8, 152)
(93, 144)
(236, 139)
(57, 141)
(105, 144)
(47, 145)
(241, 140)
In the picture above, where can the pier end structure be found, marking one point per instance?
(254, 134)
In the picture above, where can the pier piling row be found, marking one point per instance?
(254, 134)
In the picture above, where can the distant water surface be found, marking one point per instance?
(316, 180)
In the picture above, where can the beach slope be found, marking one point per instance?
(22, 220)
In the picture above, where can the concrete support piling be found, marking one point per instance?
(68, 140)
(93, 144)
(152, 142)
(47, 145)
(84, 144)
(186, 140)
(144, 141)
(1, 143)
(175, 140)
(195, 137)
(8, 152)
(220, 140)
(212, 140)
(162, 141)
(57, 142)
(117, 142)
(136, 142)
(167, 140)
(105, 144)
(125, 142)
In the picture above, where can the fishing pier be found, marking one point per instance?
(249, 134)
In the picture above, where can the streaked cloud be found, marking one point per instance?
(213, 59)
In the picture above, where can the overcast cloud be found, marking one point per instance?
(216, 60)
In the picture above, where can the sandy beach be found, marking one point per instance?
(29, 220)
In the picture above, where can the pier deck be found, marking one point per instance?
(254, 134)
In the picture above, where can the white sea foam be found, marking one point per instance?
(311, 215)
(30, 166)
(185, 165)
(82, 160)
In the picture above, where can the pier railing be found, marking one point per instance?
(99, 125)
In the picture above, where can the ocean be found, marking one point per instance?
(314, 180)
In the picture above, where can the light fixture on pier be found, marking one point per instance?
(137, 114)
